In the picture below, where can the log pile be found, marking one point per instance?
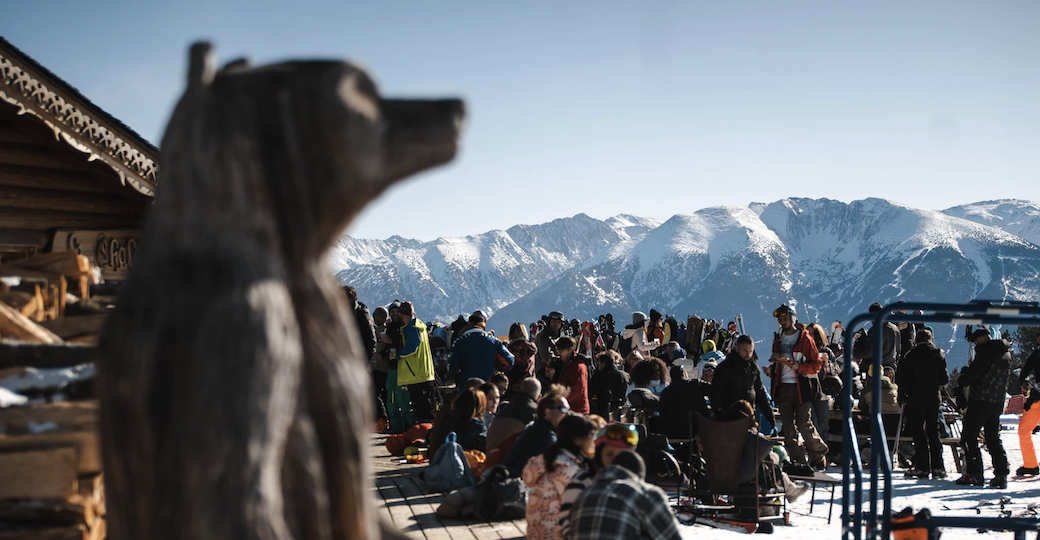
(51, 483)
(50, 464)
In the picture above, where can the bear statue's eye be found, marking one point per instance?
(352, 92)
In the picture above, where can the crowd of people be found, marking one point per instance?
(545, 403)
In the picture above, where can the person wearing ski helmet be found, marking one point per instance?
(795, 366)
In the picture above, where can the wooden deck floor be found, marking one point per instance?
(404, 501)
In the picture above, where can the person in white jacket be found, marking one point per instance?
(635, 335)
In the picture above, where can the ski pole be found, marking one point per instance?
(899, 431)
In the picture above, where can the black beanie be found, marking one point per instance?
(631, 461)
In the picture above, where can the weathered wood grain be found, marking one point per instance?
(231, 342)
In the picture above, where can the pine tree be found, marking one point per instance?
(1024, 339)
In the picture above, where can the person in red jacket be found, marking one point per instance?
(575, 375)
(795, 365)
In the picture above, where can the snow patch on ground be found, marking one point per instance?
(942, 497)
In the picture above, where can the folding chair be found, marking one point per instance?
(722, 445)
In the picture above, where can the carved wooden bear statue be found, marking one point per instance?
(234, 400)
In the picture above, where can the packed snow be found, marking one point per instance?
(941, 497)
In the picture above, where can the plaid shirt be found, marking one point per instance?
(618, 505)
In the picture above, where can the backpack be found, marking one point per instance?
(448, 470)
(499, 497)
(624, 346)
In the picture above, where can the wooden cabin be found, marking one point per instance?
(71, 175)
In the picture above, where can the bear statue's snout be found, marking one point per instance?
(420, 134)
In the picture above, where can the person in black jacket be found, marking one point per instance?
(681, 402)
(863, 347)
(367, 328)
(737, 378)
(921, 374)
(364, 321)
(987, 378)
(609, 385)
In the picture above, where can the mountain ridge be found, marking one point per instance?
(828, 258)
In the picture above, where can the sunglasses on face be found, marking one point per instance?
(561, 408)
(621, 432)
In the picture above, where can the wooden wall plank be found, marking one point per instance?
(50, 178)
(20, 218)
(88, 451)
(39, 474)
(46, 199)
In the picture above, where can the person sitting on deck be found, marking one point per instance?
(619, 504)
(539, 435)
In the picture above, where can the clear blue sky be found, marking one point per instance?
(605, 107)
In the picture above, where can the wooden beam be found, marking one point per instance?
(44, 356)
(67, 415)
(15, 325)
(59, 533)
(86, 442)
(23, 237)
(20, 218)
(33, 155)
(45, 199)
(39, 474)
(65, 262)
(44, 178)
(70, 327)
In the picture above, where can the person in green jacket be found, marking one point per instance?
(415, 363)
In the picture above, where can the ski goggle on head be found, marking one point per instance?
(619, 435)
(783, 310)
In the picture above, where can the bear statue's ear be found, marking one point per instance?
(237, 64)
(200, 65)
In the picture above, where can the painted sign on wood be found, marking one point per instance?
(112, 251)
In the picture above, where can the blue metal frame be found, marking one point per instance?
(878, 525)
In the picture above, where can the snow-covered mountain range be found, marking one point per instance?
(828, 258)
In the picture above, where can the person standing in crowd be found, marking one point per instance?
(655, 328)
(863, 349)
(987, 376)
(907, 338)
(1031, 414)
(921, 373)
(608, 386)
(821, 406)
(415, 363)
(380, 362)
(547, 475)
(732, 333)
(795, 365)
(523, 354)
(545, 341)
(366, 328)
(575, 374)
(474, 352)
(710, 353)
(619, 504)
(539, 435)
(634, 339)
(364, 321)
(737, 379)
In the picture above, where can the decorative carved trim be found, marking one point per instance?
(83, 132)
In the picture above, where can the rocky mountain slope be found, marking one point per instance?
(828, 258)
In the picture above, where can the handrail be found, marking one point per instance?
(879, 526)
